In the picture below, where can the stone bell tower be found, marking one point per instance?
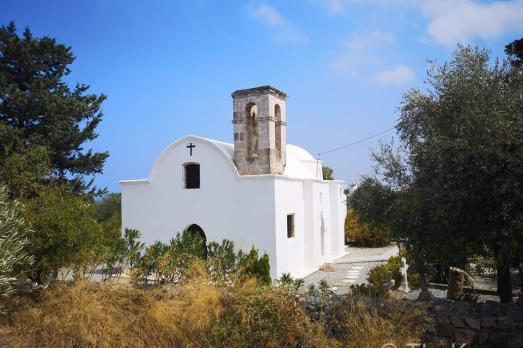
(260, 128)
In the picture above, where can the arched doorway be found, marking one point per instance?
(196, 230)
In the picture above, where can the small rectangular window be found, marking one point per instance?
(290, 226)
(192, 176)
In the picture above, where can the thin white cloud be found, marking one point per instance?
(334, 6)
(268, 15)
(285, 32)
(399, 75)
(361, 51)
(292, 37)
(463, 20)
(460, 21)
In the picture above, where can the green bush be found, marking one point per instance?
(394, 266)
(222, 262)
(368, 290)
(378, 277)
(262, 316)
(168, 263)
(364, 235)
(13, 240)
(251, 265)
(65, 235)
(288, 282)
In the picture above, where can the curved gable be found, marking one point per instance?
(223, 150)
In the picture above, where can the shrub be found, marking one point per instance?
(251, 265)
(65, 234)
(365, 323)
(263, 316)
(364, 235)
(394, 266)
(94, 315)
(378, 277)
(169, 262)
(367, 290)
(287, 281)
(13, 240)
(133, 247)
(114, 256)
(150, 264)
(196, 313)
(222, 262)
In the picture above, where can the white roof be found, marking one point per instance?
(300, 163)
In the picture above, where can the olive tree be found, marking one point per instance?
(452, 188)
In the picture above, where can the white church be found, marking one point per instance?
(258, 191)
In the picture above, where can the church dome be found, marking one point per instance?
(300, 163)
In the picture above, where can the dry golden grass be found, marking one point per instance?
(390, 321)
(90, 315)
(261, 316)
(198, 314)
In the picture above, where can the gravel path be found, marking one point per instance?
(352, 268)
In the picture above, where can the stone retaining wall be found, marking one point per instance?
(485, 325)
(478, 324)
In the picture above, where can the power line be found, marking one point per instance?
(356, 142)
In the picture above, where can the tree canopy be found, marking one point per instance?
(514, 51)
(38, 109)
(452, 188)
(327, 173)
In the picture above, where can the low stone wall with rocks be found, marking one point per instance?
(464, 324)
(488, 324)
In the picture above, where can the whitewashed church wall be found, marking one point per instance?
(227, 206)
(249, 210)
(320, 191)
(308, 200)
(309, 261)
(135, 204)
(338, 208)
(289, 199)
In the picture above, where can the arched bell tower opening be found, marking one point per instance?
(251, 112)
(260, 125)
(277, 132)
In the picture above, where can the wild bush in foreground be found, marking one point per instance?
(366, 323)
(12, 242)
(108, 315)
(167, 263)
(196, 313)
(264, 316)
(64, 235)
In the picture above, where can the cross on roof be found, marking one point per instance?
(190, 147)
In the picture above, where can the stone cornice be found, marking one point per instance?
(270, 118)
(259, 90)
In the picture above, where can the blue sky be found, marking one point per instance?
(169, 67)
